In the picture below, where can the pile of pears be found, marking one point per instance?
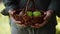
(34, 13)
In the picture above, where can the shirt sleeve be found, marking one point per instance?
(54, 5)
(10, 4)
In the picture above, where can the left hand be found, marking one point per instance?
(46, 18)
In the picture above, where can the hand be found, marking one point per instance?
(47, 17)
(13, 17)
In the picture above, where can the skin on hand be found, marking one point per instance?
(11, 12)
(46, 18)
(12, 15)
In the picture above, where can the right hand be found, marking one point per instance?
(12, 15)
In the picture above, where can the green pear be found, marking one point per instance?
(36, 13)
(29, 13)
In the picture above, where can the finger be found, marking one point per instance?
(21, 25)
(40, 25)
(44, 23)
(18, 22)
(13, 17)
(45, 13)
(47, 17)
(36, 26)
(11, 12)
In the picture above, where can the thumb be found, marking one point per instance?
(47, 16)
(11, 12)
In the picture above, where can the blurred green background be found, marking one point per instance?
(5, 26)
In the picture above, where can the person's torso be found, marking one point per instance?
(39, 4)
